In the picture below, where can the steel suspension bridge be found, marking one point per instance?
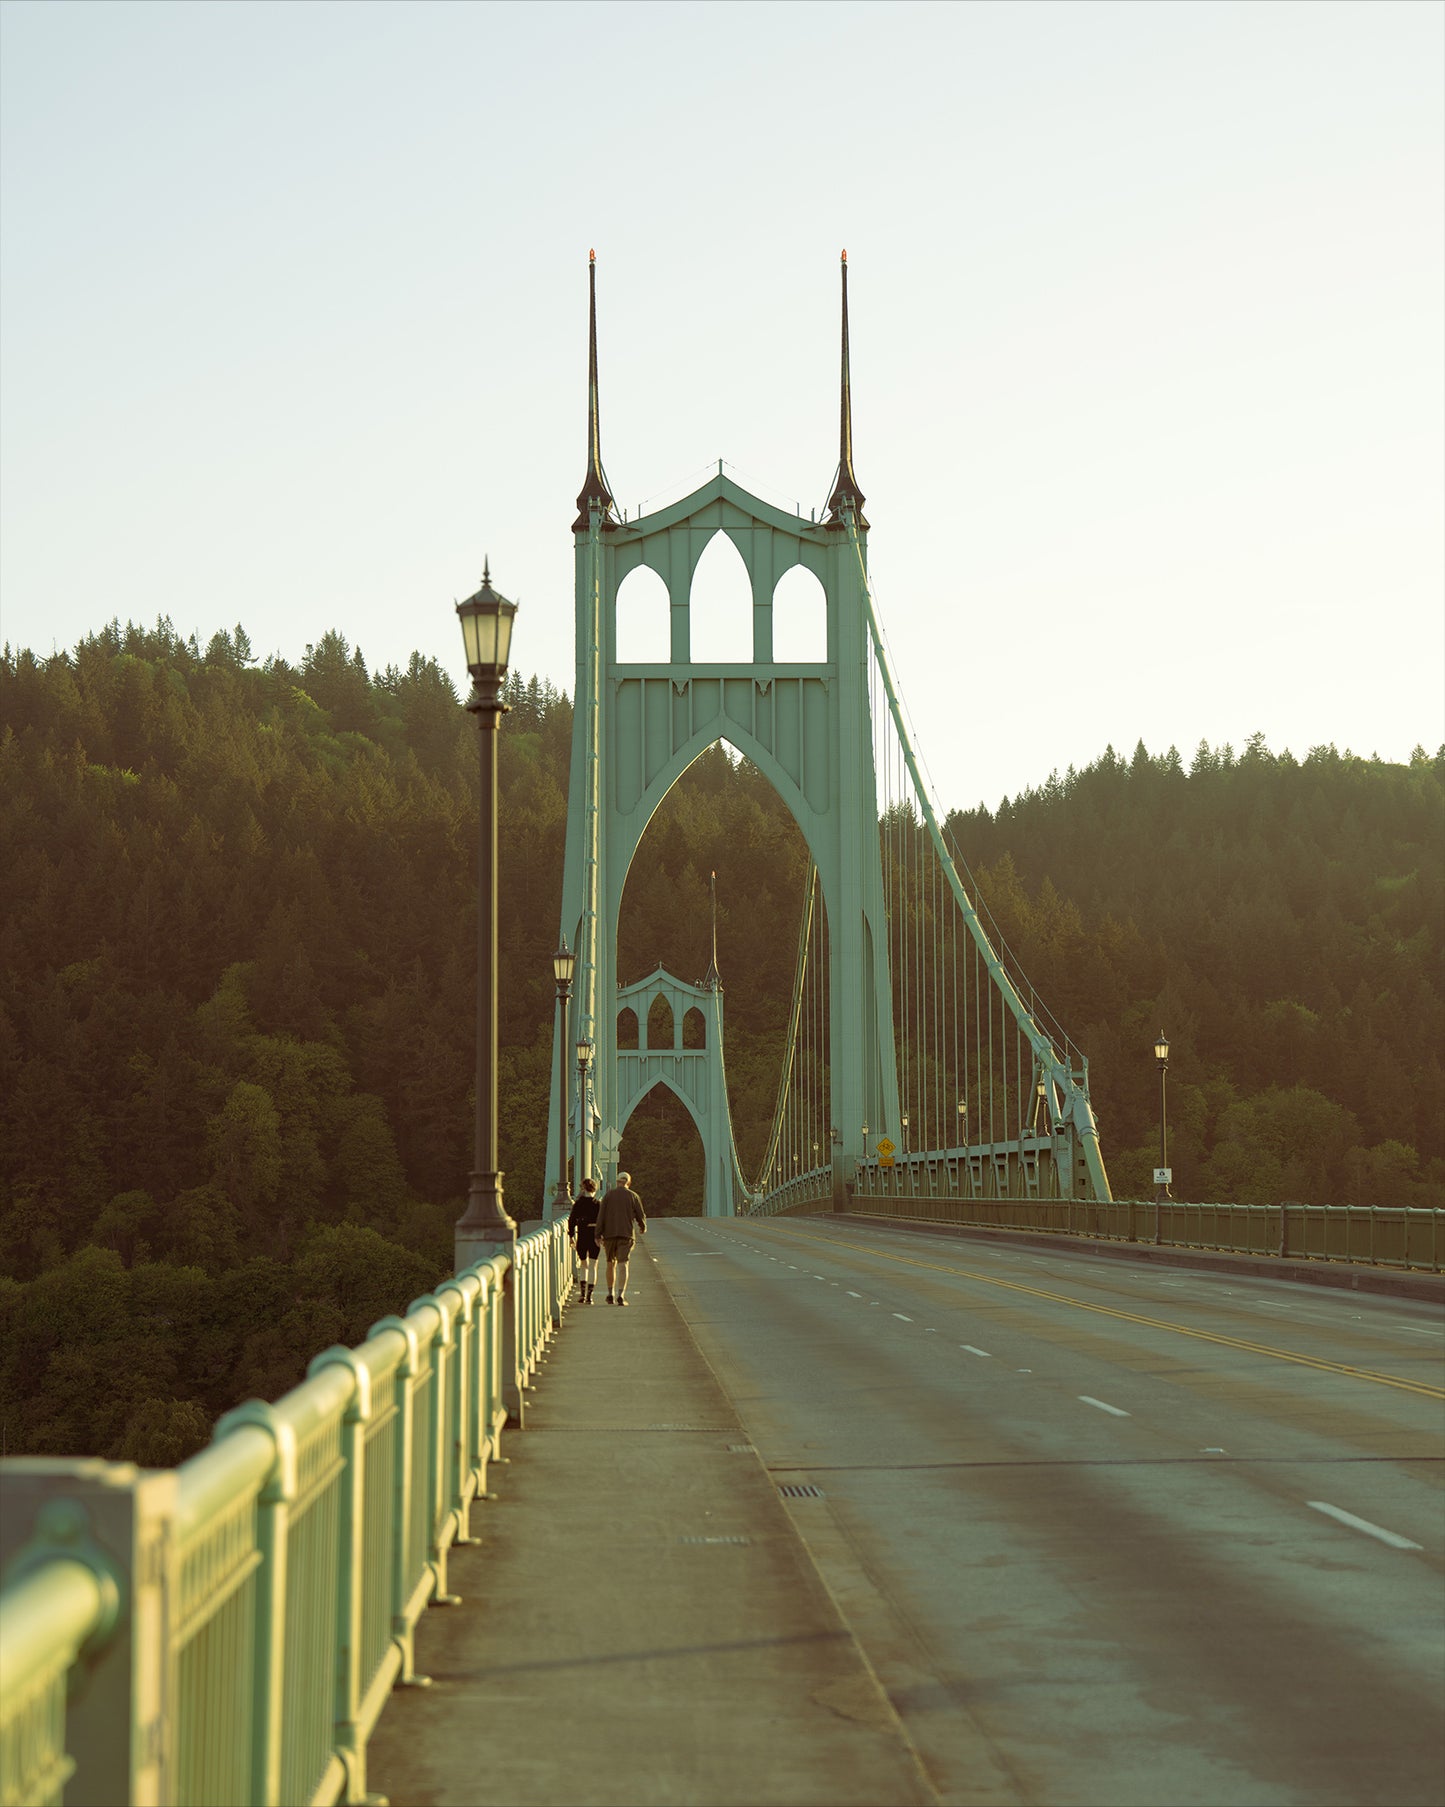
(231, 1631)
(915, 1042)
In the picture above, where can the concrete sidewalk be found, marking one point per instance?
(641, 1623)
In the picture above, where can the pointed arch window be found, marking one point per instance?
(720, 606)
(660, 1023)
(627, 1028)
(800, 618)
(694, 1029)
(643, 619)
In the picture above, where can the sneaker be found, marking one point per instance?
(609, 1299)
(621, 1300)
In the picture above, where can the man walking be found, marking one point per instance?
(621, 1209)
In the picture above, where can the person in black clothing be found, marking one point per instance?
(582, 1234)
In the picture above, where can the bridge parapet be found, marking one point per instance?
(1409, 1238)
(238, 1624)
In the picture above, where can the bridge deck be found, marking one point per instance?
(640, 1623)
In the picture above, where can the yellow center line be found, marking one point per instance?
(1134, 1317)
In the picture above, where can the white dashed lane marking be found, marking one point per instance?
(972, 1351)
(900, 1315)
(1113, 1410)
(1393, 1538)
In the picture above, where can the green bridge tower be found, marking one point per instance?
(637, 728)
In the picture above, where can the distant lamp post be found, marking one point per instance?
(1162, 1176)
(584, 1112)
(905, 1132)
(1039, 1107)
(564, 964)
(486, 620)
(963, 1123)
(865, 1141)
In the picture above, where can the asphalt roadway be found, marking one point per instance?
(847, 1515)
(1106, 1533)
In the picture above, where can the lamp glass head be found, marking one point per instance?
(486, 620)
(584, 1052)
(1161, 1047)
(564, 964)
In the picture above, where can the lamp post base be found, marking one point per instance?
(484, 1228)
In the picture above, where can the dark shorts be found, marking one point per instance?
(587, 1248)
(619, 1248)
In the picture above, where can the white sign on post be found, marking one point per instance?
(608, 1144)
(1163, 1176)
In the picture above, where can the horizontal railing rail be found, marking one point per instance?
(239, 1632)
(1407, 1237)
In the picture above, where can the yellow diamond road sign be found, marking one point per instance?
(884, 1146)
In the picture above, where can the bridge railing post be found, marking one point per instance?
(459, 1465)
(268, 1664)
(114, 1739)
(511, 1375)
(403, 1500)
(349, 1742)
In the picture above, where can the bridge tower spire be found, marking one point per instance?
(595, 491)
(846, 492)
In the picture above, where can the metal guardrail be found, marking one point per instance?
(228, 1632)
(813, 1188)
(1377, 1236)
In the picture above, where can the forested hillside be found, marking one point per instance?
(237, 921)
(1282, 921)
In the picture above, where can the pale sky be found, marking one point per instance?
(1148, 309)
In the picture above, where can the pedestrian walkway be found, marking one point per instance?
(640, 1624)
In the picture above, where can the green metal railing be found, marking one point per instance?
(229, 1633)
(1377, 1236)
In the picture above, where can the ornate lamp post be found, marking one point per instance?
(865, 1141)
(486, 620)
(564, 964)
(1161, 1187)
(584, 1111)
(905, 1133)
(963, 1123)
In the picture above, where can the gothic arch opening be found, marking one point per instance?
(660, 1026)
(662, 1150)
(800, 618)
(643, 618)
(694, 1029)
(627, 1028)
(720, 606)
(723, 815)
